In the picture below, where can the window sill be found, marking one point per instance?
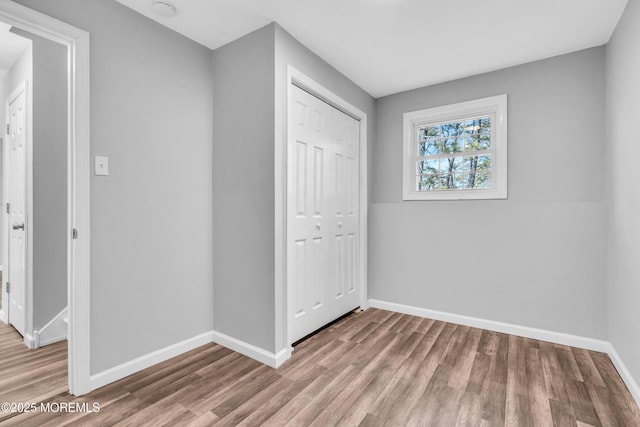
(456, 195)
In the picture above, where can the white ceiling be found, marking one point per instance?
(388, 46)
(11, 46)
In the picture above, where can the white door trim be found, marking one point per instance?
(78, 180)
(296, 77)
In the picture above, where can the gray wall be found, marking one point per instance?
(243, 188)
(249, 119)
(151, 219)
(292, 52)
(623, 111)
(535, 259)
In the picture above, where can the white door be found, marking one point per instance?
(16, 140)
(322, 214)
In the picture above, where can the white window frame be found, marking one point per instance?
(494, 106)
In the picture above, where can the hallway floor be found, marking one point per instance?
(373, 368)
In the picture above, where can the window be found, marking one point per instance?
(457, 151)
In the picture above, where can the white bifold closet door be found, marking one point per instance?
(323, 218)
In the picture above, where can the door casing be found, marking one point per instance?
(299, 79)
(78, 181)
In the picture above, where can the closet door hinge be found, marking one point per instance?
(8, 207)
(8, 287)
(8, 129)
(74, 233)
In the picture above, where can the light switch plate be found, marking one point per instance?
(102, 166)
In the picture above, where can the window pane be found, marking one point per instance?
(484, 163)
(471, 126)
(427, 183)
(485, 125)
(453, 145)
(483, 180)
(477, 180)
(459, 180)
(477, 126)
(453, 129)
(429, 147)
(451, 181)
(427, 166)
(428, 132)
(485, 142)
(469, 180)
(470, 163)
(478, 142)
(446, 182)
(477, 163)
(452, 164)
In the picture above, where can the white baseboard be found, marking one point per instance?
(261, 355)
(118, 372)
(521, 331)
(30, 341)
(632, 385)
(121, 371)
(54, 331)
(506, 328)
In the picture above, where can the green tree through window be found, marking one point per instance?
(454, 155)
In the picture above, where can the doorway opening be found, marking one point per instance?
(35, 183)
(15, 66)
(34, 193)
(45, 245)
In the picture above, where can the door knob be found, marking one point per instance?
(18, 226)
(340, 224)
(318, 226)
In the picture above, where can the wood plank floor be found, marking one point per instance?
(371, 369)
(30, 375)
